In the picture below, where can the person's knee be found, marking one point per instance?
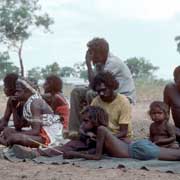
(15, 139)
(11, 140)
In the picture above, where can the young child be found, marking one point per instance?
(54, 97)
(95, 119)
(162, 133)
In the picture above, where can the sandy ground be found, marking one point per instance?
(30, 170)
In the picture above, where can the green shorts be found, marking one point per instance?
(143, 150)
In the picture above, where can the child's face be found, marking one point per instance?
(157, 115)
(104, 92)
(86, 124)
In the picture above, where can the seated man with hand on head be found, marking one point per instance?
(99, 55)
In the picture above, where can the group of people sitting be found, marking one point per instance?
(100, 114)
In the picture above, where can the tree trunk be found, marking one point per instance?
(20, 59)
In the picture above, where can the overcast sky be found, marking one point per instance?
(141, 28)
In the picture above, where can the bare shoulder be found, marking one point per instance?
(169, 125)
(102, 129)
(38, 105)
(152, 126)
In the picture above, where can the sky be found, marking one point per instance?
(133, 28)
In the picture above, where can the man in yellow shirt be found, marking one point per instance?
(116, 105)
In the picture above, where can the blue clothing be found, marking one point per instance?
(144, 150)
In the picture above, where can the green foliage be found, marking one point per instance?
(6, 66)
(141, 68)
(177, 38)
(81, 70)
(67, 72)
(51, 69)
(35, 73)
(18, 19)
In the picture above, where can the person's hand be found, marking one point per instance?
(89, 57)
(91, 135)
(158, 142)
(13, 100)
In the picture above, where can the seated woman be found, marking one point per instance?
(13, 107)
(54, 97)
(45, 125)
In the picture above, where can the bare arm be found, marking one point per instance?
(123, 131)
(170, 139)
(91, 74)
(151, 137)
(36, 118)
(101, 135)
(8, 111)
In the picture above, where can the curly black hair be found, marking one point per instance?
(55, 83)
(161, 105)
(107, 78)
(10, 80)
(97, 115)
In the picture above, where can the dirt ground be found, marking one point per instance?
(30, 170)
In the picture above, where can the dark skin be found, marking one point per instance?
(97, 58)
(55, 99)
(50, 96)
(13, 107)
(161, 132)
(172, 99)
(114, 147)
(108, 95)
(27, 138)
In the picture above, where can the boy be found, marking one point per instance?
(162, 133)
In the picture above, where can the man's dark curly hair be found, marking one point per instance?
(107, 78)
(55, 83)
(10, 80)
(97, 115)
